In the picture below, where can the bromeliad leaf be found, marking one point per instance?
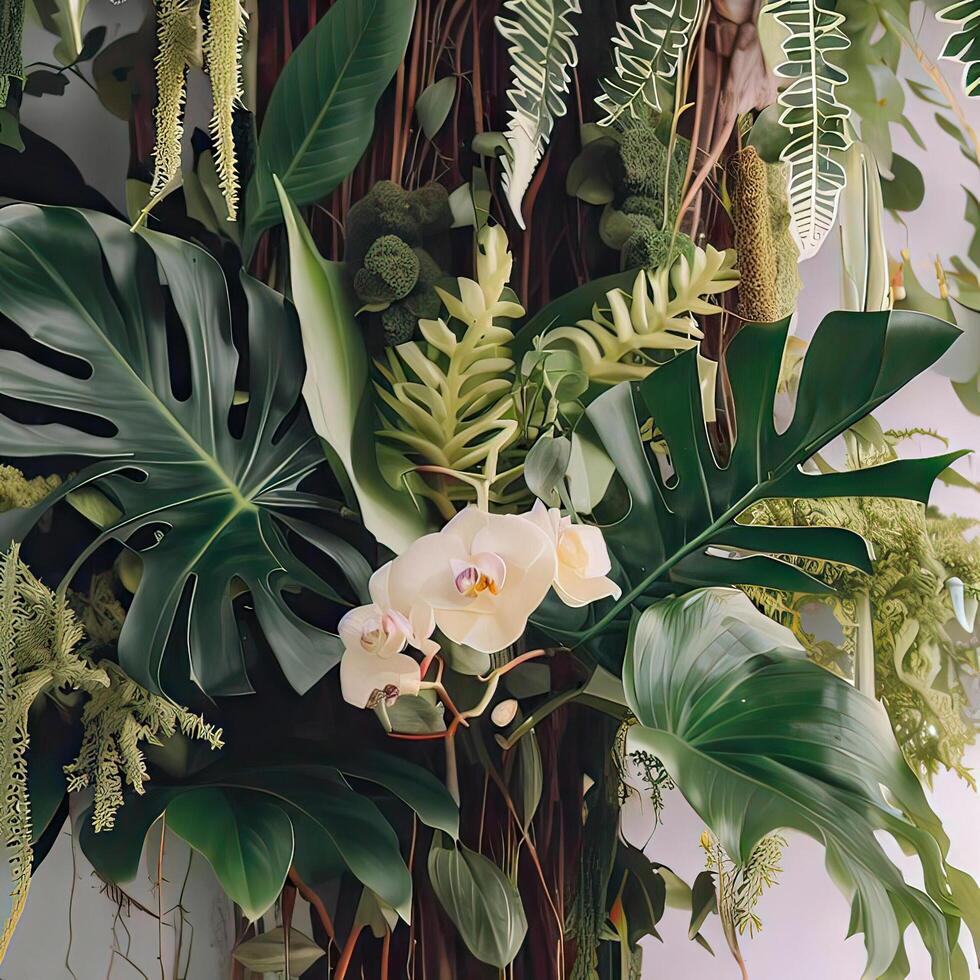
(812, 115)
(648, 55)
(964, 45)
(759, 739)
(542, 50)
(682, 530)
(216, 502)
(321, 112)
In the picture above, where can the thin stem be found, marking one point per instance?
(864, 647)
(348, 951)
(315, 902)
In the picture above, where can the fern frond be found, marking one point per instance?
(812, 115)
(542, 50)
(118, 718)
(449, 402)
(617, 344)
(648, 54)
(964, 45)
(223, 57)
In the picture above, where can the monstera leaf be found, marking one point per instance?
(253, 824)
(208, 506)
(758, 738)
(682, 529)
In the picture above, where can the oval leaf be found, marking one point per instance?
(433, 105)
(480, 900)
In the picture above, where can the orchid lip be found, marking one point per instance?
(482, 573)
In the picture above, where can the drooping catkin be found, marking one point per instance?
(178, 25)
(753, 237)
(223, 54)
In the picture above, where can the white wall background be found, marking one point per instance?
(805, 918)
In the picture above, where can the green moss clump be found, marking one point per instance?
(399, 324)
(390, 271)
(654, 248)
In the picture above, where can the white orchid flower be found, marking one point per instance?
(480, 578)
(373, 669)
(582, 559)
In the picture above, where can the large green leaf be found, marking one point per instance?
(248, 841)
(82, 284)
(758, 738)
(481, 901)
(337, 390)
(321, 112)
(681, 531)
(334, 828)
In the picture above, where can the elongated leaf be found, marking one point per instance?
(267, 953)
(81, 283)
(542, 50)
(812, 115)
(480, 900)
(758, 739)
(682, 532)
(864, 254)
(433, 104)
(321, 112)
(648, 56)
(964, 45)
(247, 840)
(336, 387)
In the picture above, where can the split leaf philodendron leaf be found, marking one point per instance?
(336, 388)
(204, 506)
(758, 739)
(682, 531)
(321, 112)
(481, 901)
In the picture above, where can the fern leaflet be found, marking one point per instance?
(964, 45)
(812, 115)
(648, 54)
(542, 50)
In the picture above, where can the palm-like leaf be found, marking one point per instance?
(758, 739)
(964, 45)
(218, 503)
(812, 115)
(648, 54)
(682, 531)
(542, 50)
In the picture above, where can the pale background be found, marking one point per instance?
(805, 918)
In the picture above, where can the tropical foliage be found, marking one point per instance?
(388, 501)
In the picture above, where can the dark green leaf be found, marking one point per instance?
(704, 901)
(246, 838)
(321, 113)
(758, 738)
(414, 786)
(531, 777)
(674, 535)
(480, 900)
(45, 82)
(94, 39)
(84, 284)
(906, 190)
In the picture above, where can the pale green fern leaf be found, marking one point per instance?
(964, 45)
(624, 337)
(648, 54)
(812, 115)
(542, 50)
(449, 402)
